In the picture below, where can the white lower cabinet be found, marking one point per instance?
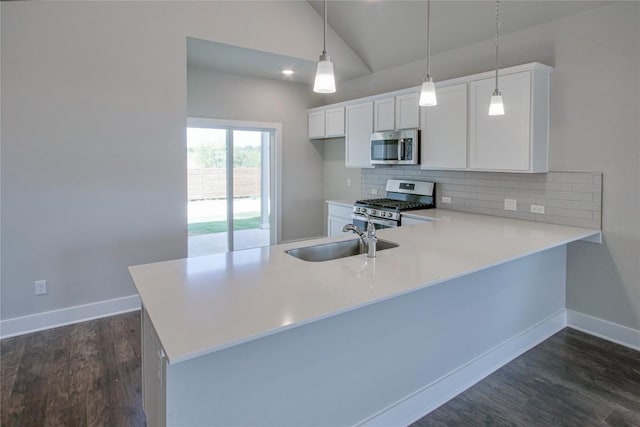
(444, 130)
(335, 224)
(358, 135)
(153, 374)
(339, 216)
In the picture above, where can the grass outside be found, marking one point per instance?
(243, 221)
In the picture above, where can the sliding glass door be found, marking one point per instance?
(229, 187)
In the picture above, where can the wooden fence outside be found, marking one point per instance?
(211, 183)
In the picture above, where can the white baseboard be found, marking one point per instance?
(440, 391)
(610, 331)
(80, 313)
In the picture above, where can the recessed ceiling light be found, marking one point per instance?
(287, 72)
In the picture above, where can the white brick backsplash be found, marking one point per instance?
(572, 177)
(558, 203)
(570, 198)
(587, 188)
(569, 213)
(590, 206)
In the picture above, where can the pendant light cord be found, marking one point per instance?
(428, 38)
(497, 38)
(324, 43)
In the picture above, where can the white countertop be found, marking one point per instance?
(204, 304)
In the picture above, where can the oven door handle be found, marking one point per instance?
(386, 222)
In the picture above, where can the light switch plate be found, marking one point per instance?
(510, 205)
(446, 199)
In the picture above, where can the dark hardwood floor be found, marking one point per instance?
(88, 374)
(571, 379)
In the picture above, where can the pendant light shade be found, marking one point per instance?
(325, 81)
(496, 107)
(428, 92)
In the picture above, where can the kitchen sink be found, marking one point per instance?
(336, 250)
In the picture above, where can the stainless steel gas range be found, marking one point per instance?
(402, 195)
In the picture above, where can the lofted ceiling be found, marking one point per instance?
(388, 33)
(385, 34)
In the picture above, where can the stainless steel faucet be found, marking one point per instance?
(372, 240)
(369, 240)
(355, 229)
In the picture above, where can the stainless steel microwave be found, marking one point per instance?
(399, 147)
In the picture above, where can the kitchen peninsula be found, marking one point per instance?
(258, 337)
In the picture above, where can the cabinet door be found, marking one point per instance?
(316, 124)
(334, 122)
(358, 135)
(443, 143)
(501, 142)
(384, 114)
(335, 224)
(407, 111)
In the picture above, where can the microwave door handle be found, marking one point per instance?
(400, 148)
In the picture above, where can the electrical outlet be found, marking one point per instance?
(374, 191)
(510, 205)
(446, 199)
(348, 182)
(537, 209)
(40, 287)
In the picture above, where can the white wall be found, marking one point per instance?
(336, 175)
(93, 136)
(595, 110)
(224, 96)
(93, 157)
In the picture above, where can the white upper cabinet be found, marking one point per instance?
(458, 133)
(384, 114)
(518, 140)
(358, 135)
(326, 123)
(444, 130)
(407, 111)
(397, 112)
(334, 122)
(316, 124)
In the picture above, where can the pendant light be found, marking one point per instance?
(325, 81)
(496, 107)
(428, 91)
